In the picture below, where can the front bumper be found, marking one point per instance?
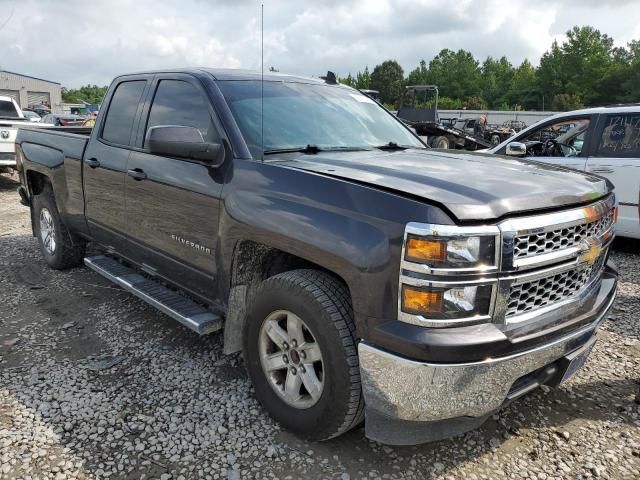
(8, 159)
(404, 394)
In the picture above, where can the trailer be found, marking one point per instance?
(419, 109)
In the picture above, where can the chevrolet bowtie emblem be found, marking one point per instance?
(590, 253)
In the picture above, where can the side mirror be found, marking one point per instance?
(183, 142)
(516, 149)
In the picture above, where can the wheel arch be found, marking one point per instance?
(253, 262)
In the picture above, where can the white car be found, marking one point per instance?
(604, 141)
(11, 118)
(31, 116)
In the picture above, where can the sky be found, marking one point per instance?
(79, 42)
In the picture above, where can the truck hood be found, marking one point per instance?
(472, 186)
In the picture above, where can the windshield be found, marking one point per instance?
(301, 114)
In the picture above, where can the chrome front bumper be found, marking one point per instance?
(402, 389)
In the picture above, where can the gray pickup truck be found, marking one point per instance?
(362, 274)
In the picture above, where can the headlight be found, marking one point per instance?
(443, 303)
(451, 252)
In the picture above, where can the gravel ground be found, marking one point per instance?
(96, 384)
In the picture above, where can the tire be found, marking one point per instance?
(52, 234)
(441, 142)
(495, 139)
(323, 305)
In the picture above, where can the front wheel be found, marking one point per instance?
(495, 139)
(301, 354)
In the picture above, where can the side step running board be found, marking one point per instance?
(191, 314)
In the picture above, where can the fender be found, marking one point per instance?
(350, 229)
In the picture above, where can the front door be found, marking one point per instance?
(105, 166)
(617, 157)
(559, 142)
(172, 211)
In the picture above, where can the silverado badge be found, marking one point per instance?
(191, 244)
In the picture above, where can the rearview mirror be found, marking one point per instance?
(516, 149)
(183, 142)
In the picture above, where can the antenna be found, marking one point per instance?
(262, 80)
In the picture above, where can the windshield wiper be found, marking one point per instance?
(392, 146)
(311, 149)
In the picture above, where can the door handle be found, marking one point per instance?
(601, 170)
(93, 162)
(137, 174)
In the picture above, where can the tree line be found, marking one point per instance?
(88, 93)
(586, 69)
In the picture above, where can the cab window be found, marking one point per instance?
(122, 111)
(620, 136)
(180, 103)
(567, 133)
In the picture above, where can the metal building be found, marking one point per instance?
(27, 90)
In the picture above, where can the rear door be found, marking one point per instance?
(616, 156)
(173, 213)
(105, 163)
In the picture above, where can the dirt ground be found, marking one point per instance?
(96, 384)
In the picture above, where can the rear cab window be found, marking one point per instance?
(118, 124)
(619, 136)
(8, 110)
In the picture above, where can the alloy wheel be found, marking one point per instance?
(291, 359)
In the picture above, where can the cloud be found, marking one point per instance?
(77, 42)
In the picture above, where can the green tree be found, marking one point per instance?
(551, 73)
(457, 74)
(474, 103)
(363, 79)
(348, 80)
(496, 77)
(631, 84)
(388, 79)
(419, 75)
(564, 102)
(446, 103)
(524, 89)
(88, 93)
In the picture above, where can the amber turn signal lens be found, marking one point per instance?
(421, 302)
(615, 215)
(419, 249)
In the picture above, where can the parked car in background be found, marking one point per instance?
(361, 273)
(40, 109)
(63, 120)
(11, 118)
(604, 141)
(499, 133)
(31, 116)
(466, 125)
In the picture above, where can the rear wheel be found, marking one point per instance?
(440, 142)
(301, 354)
(53, 237)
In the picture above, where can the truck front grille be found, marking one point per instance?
(527, 296)
(536, 244)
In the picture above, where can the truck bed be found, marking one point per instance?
(70, 141)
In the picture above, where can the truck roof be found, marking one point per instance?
(235, 74)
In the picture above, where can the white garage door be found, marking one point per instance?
(11, 93)
(38, 98)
